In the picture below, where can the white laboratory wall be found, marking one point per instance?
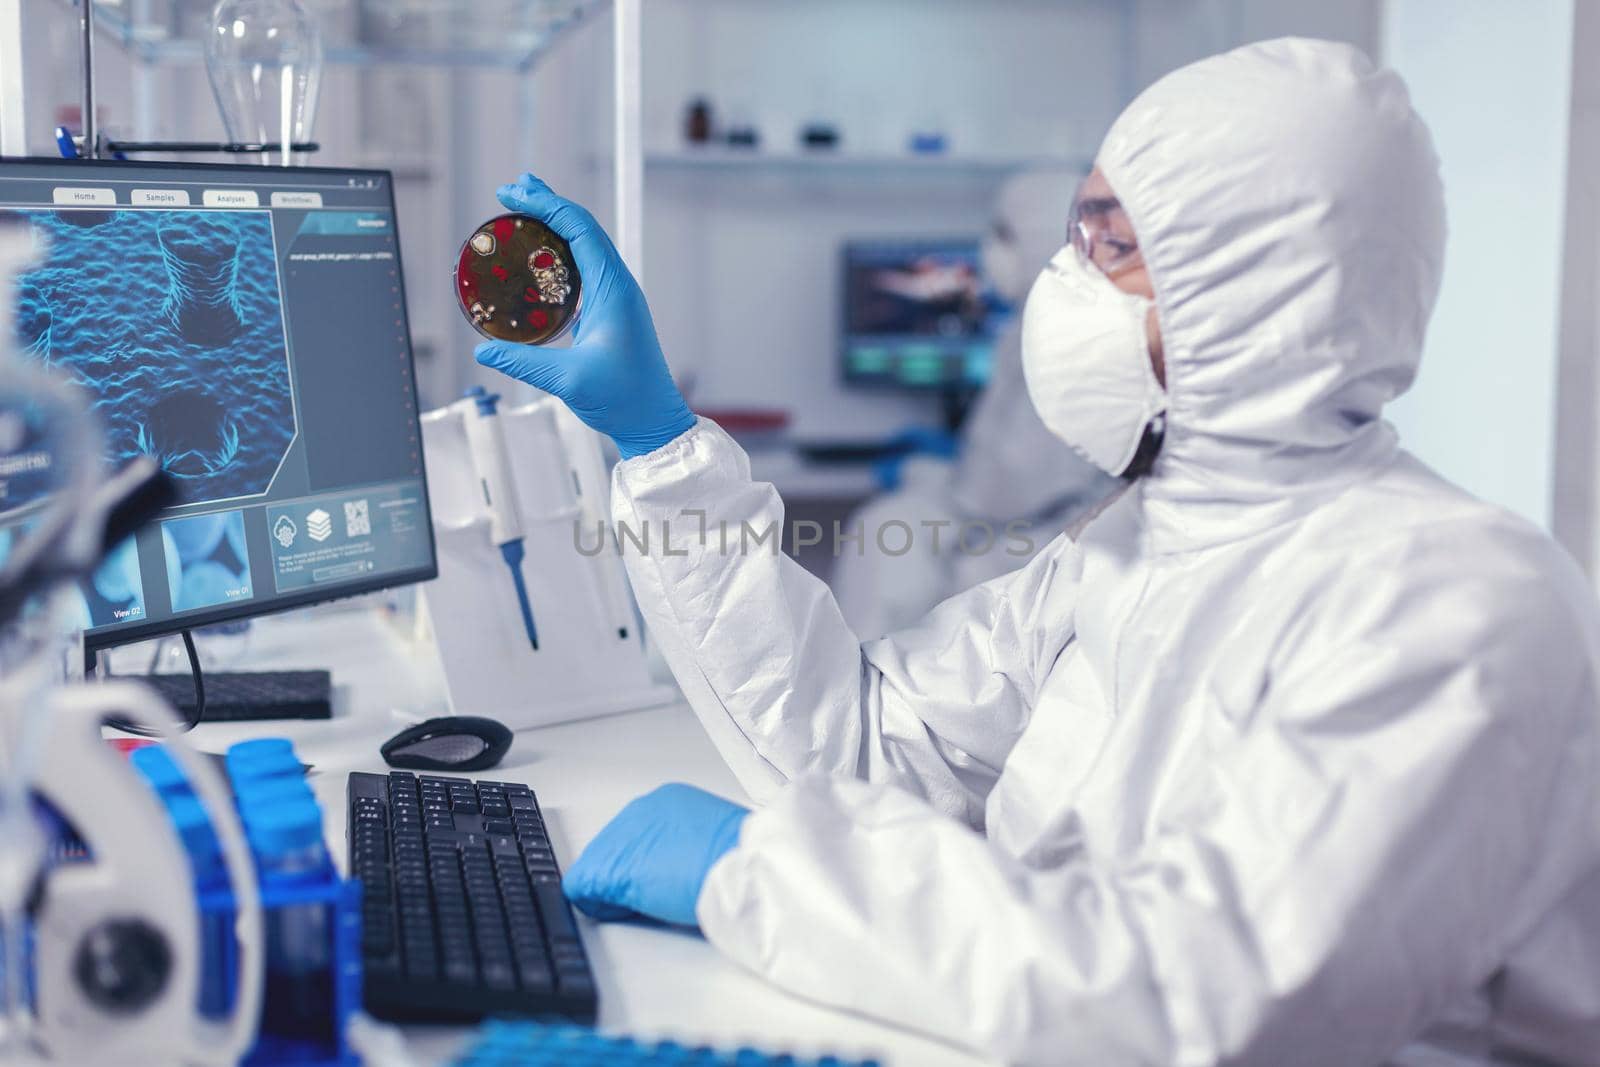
(1576, 502)
(1174, 32)
(741, 263)
(1492, 78)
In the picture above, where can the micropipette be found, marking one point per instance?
(492, 462)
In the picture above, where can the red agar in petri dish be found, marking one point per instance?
(515, 280)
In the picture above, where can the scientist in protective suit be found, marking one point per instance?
(1291, 756)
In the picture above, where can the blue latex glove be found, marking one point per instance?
(652, 859)
(614, 376)
(914, 440)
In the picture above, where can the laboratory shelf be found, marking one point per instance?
(842, 162)
(500, 34)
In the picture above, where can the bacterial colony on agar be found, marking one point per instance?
(515, 280)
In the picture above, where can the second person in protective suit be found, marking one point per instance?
(1289, 756)
(1009, 473)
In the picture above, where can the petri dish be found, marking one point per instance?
(516, 280)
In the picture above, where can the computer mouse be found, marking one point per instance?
(448, 743)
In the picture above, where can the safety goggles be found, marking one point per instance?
(1099, 229)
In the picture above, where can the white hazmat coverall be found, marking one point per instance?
(1291, 759)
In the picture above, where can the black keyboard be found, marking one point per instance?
(236, 696)
(462, 911)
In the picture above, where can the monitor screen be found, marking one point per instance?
(916, 314)
(246, 328)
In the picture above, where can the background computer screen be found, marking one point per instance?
(916, 314)
(245, 327)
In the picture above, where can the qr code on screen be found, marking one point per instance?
(357, 523)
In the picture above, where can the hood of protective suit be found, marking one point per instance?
(1287, 201)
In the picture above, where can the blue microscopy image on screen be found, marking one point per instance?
(113, 594)
(173, 319)
(207, 562)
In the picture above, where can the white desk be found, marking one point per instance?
(653, 982)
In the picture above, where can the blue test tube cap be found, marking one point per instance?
(158, 767)
(257, 794)
(275, 750)
(265, 757)
(272, 783)
(283, 829)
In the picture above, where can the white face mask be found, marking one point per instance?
(1087, 363)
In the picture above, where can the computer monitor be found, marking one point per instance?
(916, 314)
(245, 326)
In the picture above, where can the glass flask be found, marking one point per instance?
(264, 58)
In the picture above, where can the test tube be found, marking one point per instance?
(156, 765)
(211, 884)
(286, 837)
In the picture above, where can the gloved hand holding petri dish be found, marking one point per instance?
(614, 377)
(516, 280)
